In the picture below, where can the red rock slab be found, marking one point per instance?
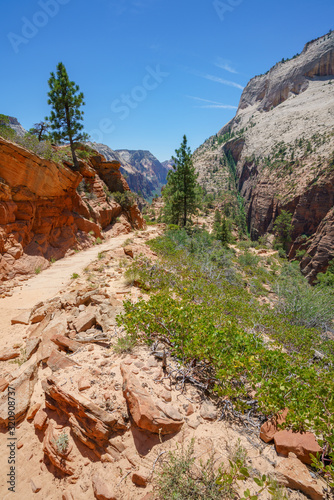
(3, 384)
(58, 361)
(22, 319)
(140, 477)
(40, 420)
(302, 445)
(91, 424)
(65, 342)
(102, 489)
(270, 427)
(7, 354)
(84, 321)
(144, 411)
(292, 473)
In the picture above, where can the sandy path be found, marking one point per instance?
(49, 282)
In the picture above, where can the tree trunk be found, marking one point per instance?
(75, 161)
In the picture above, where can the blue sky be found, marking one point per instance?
(151, 70)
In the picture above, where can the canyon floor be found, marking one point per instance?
(79, 395)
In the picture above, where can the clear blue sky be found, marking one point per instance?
(151, 70)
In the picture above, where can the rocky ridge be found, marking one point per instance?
(282, 143)
(144, 173)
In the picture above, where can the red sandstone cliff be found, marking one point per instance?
(42, 215)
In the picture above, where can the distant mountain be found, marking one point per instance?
(16, 126)
(143, 171)
(169, 164)
(277, 153)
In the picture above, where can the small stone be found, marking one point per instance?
(40, 420)
(84, 321)
(102, 490)
(140, 477)
(190, 410)
(208, 411)
(90, 348)
(19, 445)
(36, 485)
(33, 410)
(83, 384)
(128, 250)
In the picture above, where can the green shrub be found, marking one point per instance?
(126, 199)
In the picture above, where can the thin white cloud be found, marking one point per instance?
(211, 104)
(223, 64)
(214, 78)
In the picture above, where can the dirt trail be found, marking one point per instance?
(49, 282)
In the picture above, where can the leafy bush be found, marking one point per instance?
(126, 199)
(302, 304)
(205, 316)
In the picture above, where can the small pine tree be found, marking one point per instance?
(66, 116)
(182, 193)
(40, 130)
(283, 228)
(224, 232)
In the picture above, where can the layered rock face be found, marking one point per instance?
(282, 141)
(42, 216)
(143, 171)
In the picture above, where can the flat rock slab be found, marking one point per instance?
(65, 342)
(160, 419)
(21, 319)
(302, 445)
(7, 354)
(292, 473)
(84, 321)
(58, 361)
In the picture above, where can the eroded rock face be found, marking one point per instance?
(58, 447)
(158, 418)
(42, 216)
(281, 142)
(90, 423)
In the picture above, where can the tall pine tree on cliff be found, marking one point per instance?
(66, 116)
(181, 194)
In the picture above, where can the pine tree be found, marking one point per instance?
(66, 116)
(182, 192)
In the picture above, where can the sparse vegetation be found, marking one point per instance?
(75, 276)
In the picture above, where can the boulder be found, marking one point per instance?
(91, 424)
(22, 387)
(84, 321)
(102, 489)
(270, 427)
(292, 473)
(303, 445)
(146, 414)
